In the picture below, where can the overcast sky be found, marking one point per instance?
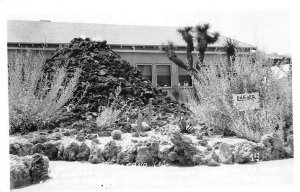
(268, 29)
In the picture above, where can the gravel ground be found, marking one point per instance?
(83, 176)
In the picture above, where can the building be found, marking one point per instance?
(139, 45)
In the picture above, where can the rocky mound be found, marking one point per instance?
(108, 80)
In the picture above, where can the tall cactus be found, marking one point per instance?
(139, 123)
(150, 111)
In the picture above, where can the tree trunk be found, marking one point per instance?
(201, 56)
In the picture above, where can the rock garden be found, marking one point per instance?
(85, 103)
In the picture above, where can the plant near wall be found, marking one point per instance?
(231, 48)
(35, 102)
(203, 39)
(215, 106)
(200, 34)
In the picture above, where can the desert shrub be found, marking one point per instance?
(107, 117)
(248, 74)
(35, 102)
(116, 134)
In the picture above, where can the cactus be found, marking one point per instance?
(139, 123)
(116, 134)
(150, 111)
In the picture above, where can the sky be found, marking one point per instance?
(268, 29)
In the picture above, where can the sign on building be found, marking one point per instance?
(246, 101)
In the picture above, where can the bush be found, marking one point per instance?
(116, 134)
(34, 101)
(248, 74)
(107, 117)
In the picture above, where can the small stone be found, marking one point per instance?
(96, 141)
(80, 138)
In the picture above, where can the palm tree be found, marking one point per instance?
(203, 39)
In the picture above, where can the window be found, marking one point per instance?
(146, 70)
(184, 77)
(163, 75)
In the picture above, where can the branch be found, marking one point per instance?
(212, 39)
(170, 52)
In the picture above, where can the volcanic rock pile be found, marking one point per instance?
(106, 79)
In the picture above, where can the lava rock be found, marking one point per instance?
(80, 138)
(37, 148)
(84, 152)
(71, 151)
(95, 154)
(110, 151)
(274, 145)
(96, 141)
(14, 148)
(19, 173)
(39, 139)
(181, 152)
(39, 168)
(51, 150)
(25, 149)
(55, 136)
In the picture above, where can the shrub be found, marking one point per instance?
(248, 74)
(116, 134)
(107, 117)
(35, 102)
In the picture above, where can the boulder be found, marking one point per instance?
(95, 154)
(274, 146)
(55, 136)
(25, 149)
(39, 168)
(39, 139)
(71, 151)
(37, 148)
(60, 152)
(145, 127)
(181, 152)
(14, 148)
(225, 154)
(84, 152)
(148, 154)
(51, 150)
(290, 146)
(128, 155)
(211, 159)
(244, 153)
(96, 141)
(19, 173)
(104, 134)
(110, 151)
(91, 136)
(80, 138)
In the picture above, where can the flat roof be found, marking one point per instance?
(47, 32)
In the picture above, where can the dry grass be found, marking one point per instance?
(249, 74)
(34, 101)
(107, 117)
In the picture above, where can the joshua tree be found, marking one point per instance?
(230, 48)
(203, 39)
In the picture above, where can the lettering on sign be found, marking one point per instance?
(246, 101)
